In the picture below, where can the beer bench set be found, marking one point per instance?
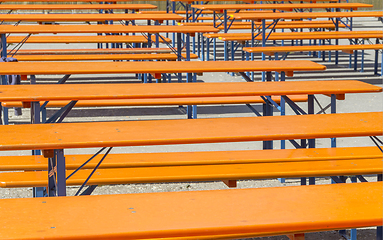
(246, 40)
(341, 206)
(214, 214)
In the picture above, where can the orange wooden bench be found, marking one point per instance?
(227, 166)
(18, 7)
(97, 57)
(350, 49)
(298, 35)
(164, 132)
(93, 51)
(87, 17)
(232, 213)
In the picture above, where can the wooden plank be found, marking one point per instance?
(48, 68)
(233, 213)
(313, 15)
(38, 162)
(96, 57)
(83, 39)
(225, 172)
(163, 101)
(91, 17)
(74, 6)
(306, 37)
(165, 132)
(287, 7)
(47, 92)
(314, 48)
(93, 51)
(279, 34)
(36, 29)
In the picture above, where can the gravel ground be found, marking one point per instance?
(353, 103)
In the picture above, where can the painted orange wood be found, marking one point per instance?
(331, 33)
(83, 39)
(205, 172)
(74, 6)
(308, 36)
(90, 57)
(37, 162)
(48, 68)
(195, 215)
(92, 51)
(102, 29)
(87, 17)
(188, 131)
(20, 1)
(286, 26)
(314, 48)
(163, 101)
(313, 15)
(47, 92)
(220, 7)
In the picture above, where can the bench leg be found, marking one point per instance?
(56, 174)
(268, 111)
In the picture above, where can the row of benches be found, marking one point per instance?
(195, 166)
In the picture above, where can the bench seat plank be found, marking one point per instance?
(75, 6)
(92, 51)
(89, 17)
(38, 29)
(96, 57)
(201, 173)
(48, 92)
(163, 101)
(313, 48)
(279, 34)
(279, 6)
(38, 162)
(48, 68)
(165, 132)
(195, 215)
(83, 39)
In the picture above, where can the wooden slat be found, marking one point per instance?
(74, 6)
(47, 68)
(87, 17)
(306, 37)
(35, 29)
(200, 173)
(47, 92)
(90, 57)
(288, 7)
(281, 34)
(188, 131)
(163, 101)
(314, 48)
(312, 15)
(37, 162)
(92, 51)
(83, 39)
(233, 213)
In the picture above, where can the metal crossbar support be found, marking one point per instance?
(89, 190)
(93, 171)
(294, 106)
